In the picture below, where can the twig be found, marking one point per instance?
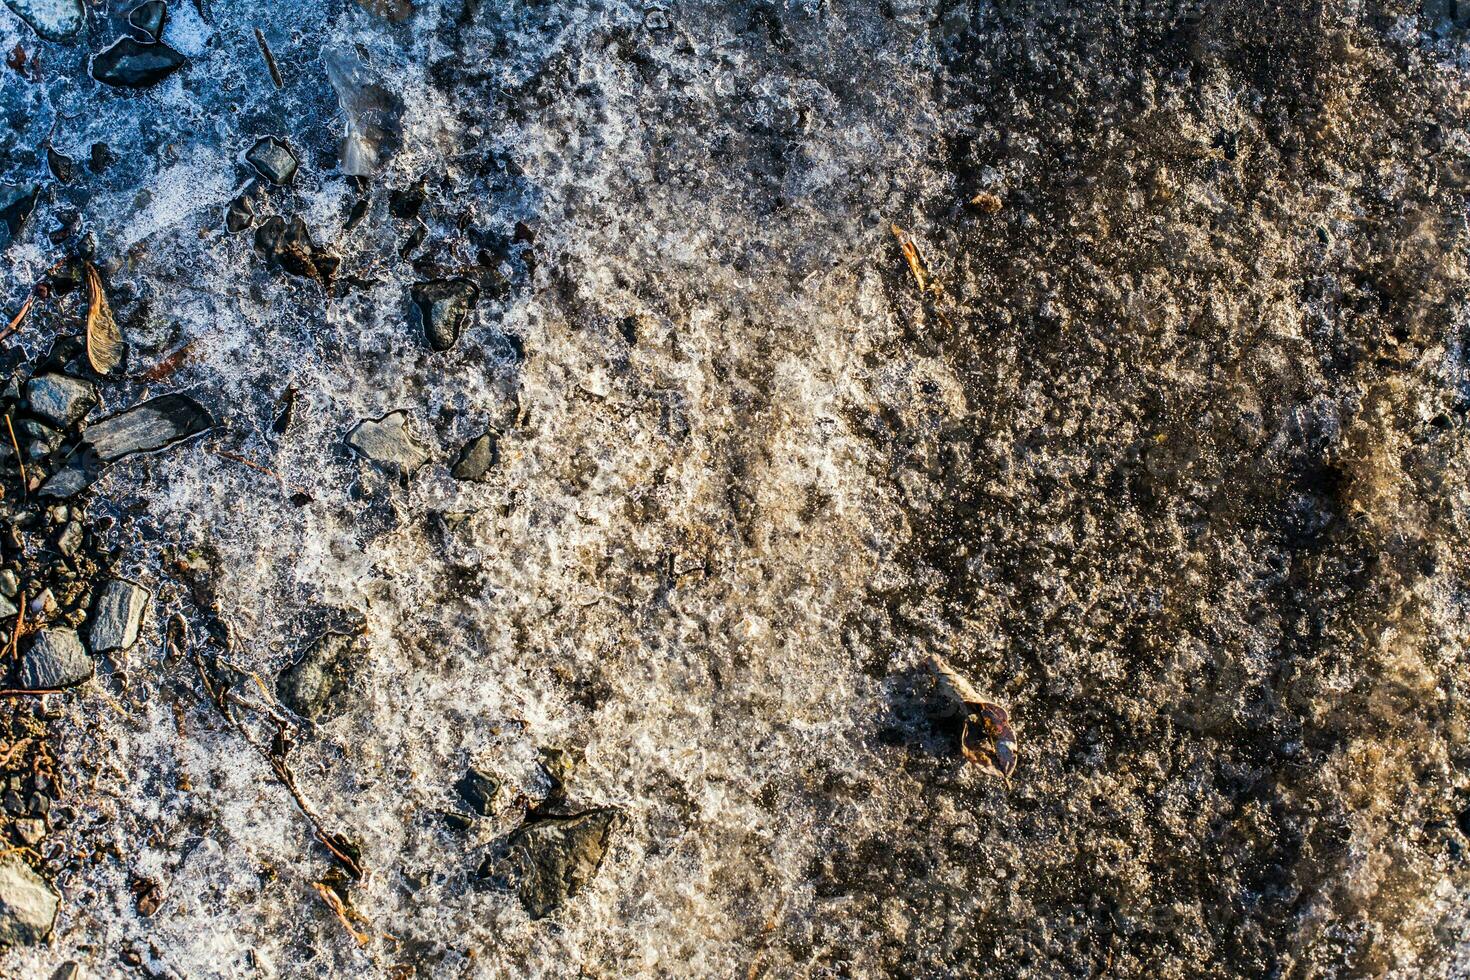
(20, 618)
(236, 458)
(25, 481)
(16, 321)
(28, 692)
(344, 915)
(270, 59)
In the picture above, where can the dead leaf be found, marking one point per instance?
(104, 341)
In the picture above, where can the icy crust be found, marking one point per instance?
(731, 514)
(653, 580)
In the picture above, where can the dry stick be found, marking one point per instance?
(20, 618)
(25, 481)
(234, 458)
(19, 317)
(270, 59)
(29, 692)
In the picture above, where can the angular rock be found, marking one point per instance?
(314, 686)
(386, 441)
(476, 459)
(155, 424)
(147, 19)
(117, 614)
(53, 20)
(62, 167)
(132, 64)
(55, 659)
(7, 607)
(60, 399)
(36, 438)
(28, 903)
(240, 215)
(477, 790)
(551, 859)
(16, 205)
(273, 159)
(287, 244)
(441, 307)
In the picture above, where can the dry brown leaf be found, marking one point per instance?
(104, 341)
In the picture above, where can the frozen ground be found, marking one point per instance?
(1174, 465)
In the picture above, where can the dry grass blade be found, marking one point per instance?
(104, 341)
(912, 257)
(344, 914)
(25, 481)
(19, 317)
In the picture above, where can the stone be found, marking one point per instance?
(36, 438)
(70, 970)
(17, 201)
(7, 607)
(477, 790)
(153, 425)
(132, 64)
(147, 19)
(28, 903)
(53, 20)
(240, 215)
(441, 307)
(60, 399)
(273, 159)
(315, 685)
(549, 860)
(55, 659)
(387, 442)
(117, 615)
(476, 459)
(69, 541)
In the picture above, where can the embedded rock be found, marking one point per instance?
(316, 684)
(117, 615)
(60, 399)
(441, 307)
(387, 442)
(28, 903)
(54, 20)
(55, 659)
(550, 859)
(132, 64)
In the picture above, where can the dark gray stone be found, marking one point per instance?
(316, 684)
(28, 903)
(153, 425)
(54, 20)
(55, 659)
(477, 458)
(147, 19)
(477, 790)
(36, 438)
(273, 159)
(441, 307)
(16, 204)
(551, 859)
(132, 64)
(386, 441)
(117, 614)
(60, 399)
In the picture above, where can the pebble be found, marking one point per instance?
(476, 459)
(16, 204)
(387, 442)
(441, 307)
(314, 685)
(273, 159)
(117, 614)
(55, 659)
(148, 20)
(551, 859)
(54, 20)
(28, 903)
(477, 790)
(60, 399)
(132, 64)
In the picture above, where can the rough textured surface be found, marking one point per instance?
(27, 903)
(54, 659)
(116, 616)
(1157, 433)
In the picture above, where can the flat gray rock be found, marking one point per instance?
(551, 859)
(117, 614)
(28, 903)
(441, 307)
(54, 20)
(132, 64)
(387, 442)
(476, 459)
(55, 659)
(273, 159)
(153, 425)
(316, 684)
(60, 398)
